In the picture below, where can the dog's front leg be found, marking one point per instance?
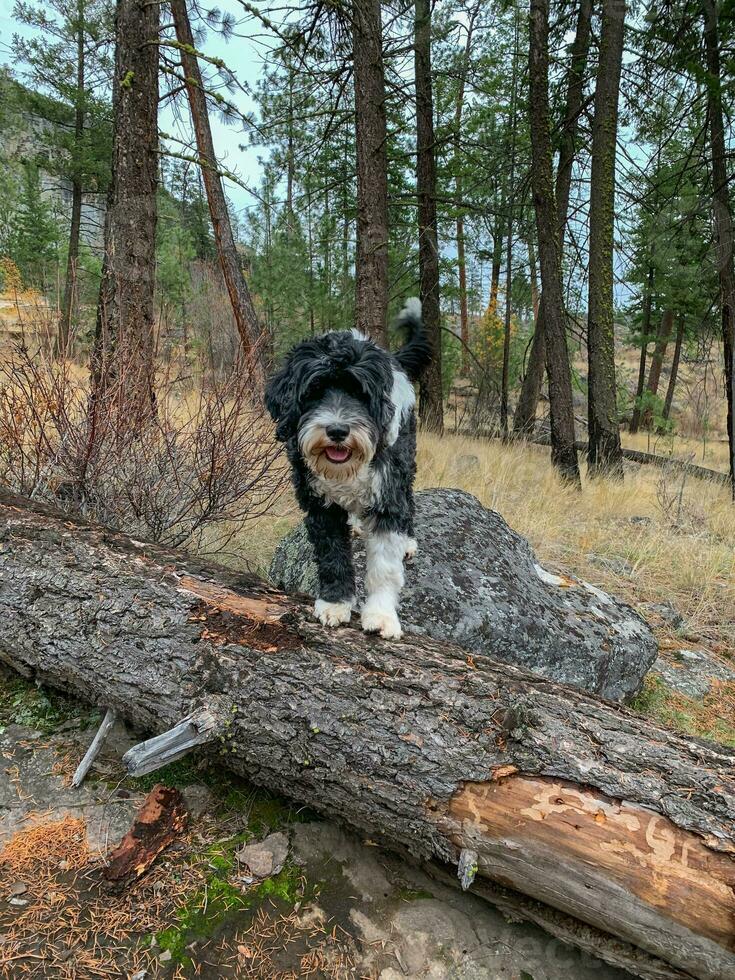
(383, 582)
(330, 537)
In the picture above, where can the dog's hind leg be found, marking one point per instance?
(330, 538)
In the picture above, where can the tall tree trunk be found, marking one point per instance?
(723, 217)
(497, 262)
(71, 288)
(124, 347)
(604, 456)
(505, 381)
(464, 325)
(657, 360)
(241, 301)
(563, 452)
(533, 278)
(680, 322)
(525, 417)
(371, 260)
(431, 400)
(645, 331)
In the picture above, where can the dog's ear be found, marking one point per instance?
(373, 373)
(279, 400)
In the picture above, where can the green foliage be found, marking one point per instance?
(24, 703)
(34, 239)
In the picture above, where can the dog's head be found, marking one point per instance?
(333, 394)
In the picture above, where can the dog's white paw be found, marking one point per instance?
(333, 613)
(411, 548)
(379, 619)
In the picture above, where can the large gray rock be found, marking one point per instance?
(476, 582)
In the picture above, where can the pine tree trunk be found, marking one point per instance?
(674, 366)
(505, 380)
(525, 417)
(645, 331)
(657, 360)
(464, 327)
(524, 420)
(123, 354)
(604, 456)
(431, 399)
(241, 301)
(71, 289)
(506, 777)
(563, 452)
(723, 216)
(533, 277)
(371, 260)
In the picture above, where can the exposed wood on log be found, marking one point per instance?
(411, 741)
(198, 729)
(159, 822)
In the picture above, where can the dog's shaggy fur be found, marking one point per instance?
(345, 409)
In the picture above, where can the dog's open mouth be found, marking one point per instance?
(337, 454)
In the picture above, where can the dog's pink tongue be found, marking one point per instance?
(337, 454)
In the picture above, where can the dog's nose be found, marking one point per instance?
(337, 432)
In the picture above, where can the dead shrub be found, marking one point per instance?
(191, 472)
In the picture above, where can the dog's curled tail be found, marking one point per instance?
(415, 355)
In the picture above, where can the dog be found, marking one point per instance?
(346, 411)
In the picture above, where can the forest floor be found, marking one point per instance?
(341, 908)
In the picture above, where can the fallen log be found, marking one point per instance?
(575, 802)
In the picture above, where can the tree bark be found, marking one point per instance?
(371, 259)
(657, 360)
(674, 366)
(563, 453)
(241, 301)
(723, 216)
(604, 457)
(533, 278)
(123, 354)
(635, 421)
(431, 397)
(575, 802)
(525, 417)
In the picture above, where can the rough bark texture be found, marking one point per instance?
(657, 359)
(635, 421)
(160, 821)
(571, 800)
(431, 399)
(241, 301)
(563, 453)
(604, 456)
(525, 416)
(125, 332)
(371, 259)
(723, 216)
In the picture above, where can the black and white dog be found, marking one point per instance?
(345, 409)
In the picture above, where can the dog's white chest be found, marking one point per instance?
(355, 494)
